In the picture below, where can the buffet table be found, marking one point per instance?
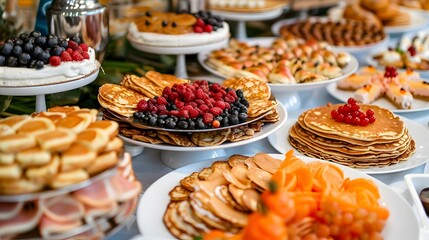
(148, 166)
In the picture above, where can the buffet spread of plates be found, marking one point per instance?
(64, 172)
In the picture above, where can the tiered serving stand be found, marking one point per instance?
(41, 90)
(180, 52)
(88, 226)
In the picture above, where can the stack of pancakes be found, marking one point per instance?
(123, 99)
(385, 142)
(63, 146)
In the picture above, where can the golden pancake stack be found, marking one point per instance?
(123, 99)
(53, 149)
(220, 196)
(384, 142)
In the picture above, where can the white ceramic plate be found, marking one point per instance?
(371, 61)
(418, 21)
(267, 130)
(415, 183)
(343, 95)
(420, 135)
(402, 223)
(275, 29)
(266, 41)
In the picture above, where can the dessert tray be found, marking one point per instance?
(279, 140)
(342, 95)
(347, 70)
(401, 224)
(275, 29)
(417, 21)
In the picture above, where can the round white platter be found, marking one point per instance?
(279, 140)
(344, 95)
(283, 88)
(418, 21)
(402, 222)
(177, 156)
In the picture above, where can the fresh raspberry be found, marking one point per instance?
(174, 113)
(183, 113)
(188, 97)
(179, 104)
(161, 101)
(161, 107)
(193, 104)
(162, 112)
(215, 111)
(69, 50)
(85, 55)
(198, 29)
(199, 94)
(84, 47)
(233, 94)
(65, 56)
(79, 49)
(204, 108)
(173, 96)
(167, 91)
(199, 102)
(142, 105)
(55, 60)
(217, 96)
(207, 118)
(187, 107)
(229, 99)
(220, 104)
(73, 45)
(193, 113)
(208, 28)
(200, 22)
(76, 56)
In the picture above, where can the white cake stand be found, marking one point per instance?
(177, 156)
(180, 52)
(242, 18)
(41, 90)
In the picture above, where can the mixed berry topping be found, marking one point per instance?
(350, 113)
(35, 51)
(198, 105)
(206, 22)
(390, 72)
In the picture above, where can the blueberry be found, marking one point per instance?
(212, 21)
(145, 118)
(6, 49)
(234, 112)
(243, 109)
(174, 107)
(215, 28)
(32, 63)
(163, 117)
(225, 122)
(148, 14)
(136, 115)
(40, 41)
(174, 118)
(245, 102)
(164, 23)
(37, 50)
(63, 43)
(18, 42)
(191, 124)
(52, 42)
(23, 36)
(76, 39)
(233, 119)
(28, 47)
(183, 124)
(170, 124)
(242, 117)
(56, 51)
(24, 58)
(2, 60)
(239, 93)
(35, 34)
(29, 39)
(39, 65)
(200, 124)
(44, 57)
(219, 118)
(52, 36)
(152, 121)
(47, 50)
(174, 24)
(11, 61)
(16, 51)
(160, 122)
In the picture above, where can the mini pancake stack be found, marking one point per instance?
(53, 149)
(384, 142)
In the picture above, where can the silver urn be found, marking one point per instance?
(87, 19)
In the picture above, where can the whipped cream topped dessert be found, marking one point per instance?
(35, 60)
(178, 30)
